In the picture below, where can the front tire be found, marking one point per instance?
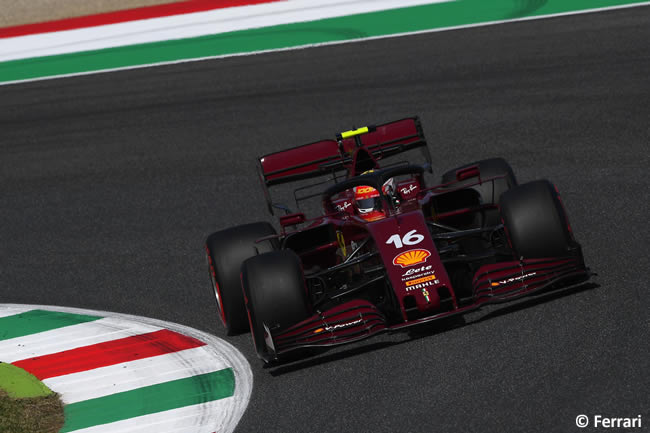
(276, 298)
(535, 221)
(226, 251)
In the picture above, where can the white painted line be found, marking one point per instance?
(70, 337)
(12, 312)
(301, 47)
(189, 419)
(218, 416)
(128, 376)
(191, 25)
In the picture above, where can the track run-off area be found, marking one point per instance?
(117, 373)
(204, 29)
(109, 184)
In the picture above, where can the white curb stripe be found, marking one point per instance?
(324, 44)
(131, 375)
(70, 337)
(189, 419)
(12, 312)
(218, 416)
(191, 25)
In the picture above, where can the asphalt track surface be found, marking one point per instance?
(109, 184)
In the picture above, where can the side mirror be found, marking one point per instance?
(292, 219)
(468, 172)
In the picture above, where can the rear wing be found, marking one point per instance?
(332, 156)
(326, 156)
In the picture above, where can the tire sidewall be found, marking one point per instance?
(275, 295)
(535, 221)
(227, 250)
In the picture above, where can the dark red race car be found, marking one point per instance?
(388, 251)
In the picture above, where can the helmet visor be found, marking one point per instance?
(369, 204)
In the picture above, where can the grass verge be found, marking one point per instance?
(30, 415)
(26, 404)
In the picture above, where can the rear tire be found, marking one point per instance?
(489, 195)
(535, 221)
(226, 251)
(274, 287)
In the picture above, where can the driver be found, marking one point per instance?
(368, 200)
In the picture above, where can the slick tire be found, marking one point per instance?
(535, 221)
(274, 287)
(488, 192)
(226, 251)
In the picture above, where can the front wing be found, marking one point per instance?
(359, 319)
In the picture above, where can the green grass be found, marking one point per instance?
(30, 415)
(19, 383)
(26, 404)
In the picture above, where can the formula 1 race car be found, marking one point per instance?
(388, 252)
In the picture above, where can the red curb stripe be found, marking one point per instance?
(142, 13)
(108, 353)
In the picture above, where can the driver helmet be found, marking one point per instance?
(368, 200)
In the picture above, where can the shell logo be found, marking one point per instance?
(411, 258)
